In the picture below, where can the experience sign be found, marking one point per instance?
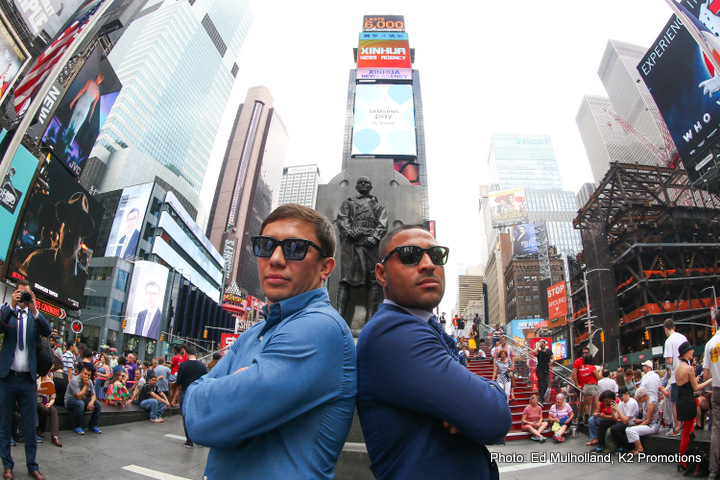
(557, 300)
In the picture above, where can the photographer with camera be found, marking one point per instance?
(18, 371)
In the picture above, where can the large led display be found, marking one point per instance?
(47, 15)
(146, 299)
(13, 59)
(58, 233)
(384, 120)
(384, 55)
(685, 87)
(524, 241)
(507, 207)
(125, 231)
(73, 129)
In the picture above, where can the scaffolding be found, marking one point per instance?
(660, 239)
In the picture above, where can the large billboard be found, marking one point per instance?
(125, 232)
(58, 233)
(145, 299)
(15, 187)
(507, 207)
(523, 329)
(46, 15)
(384, 120)
(383, 23)
(557, 300)
(13, 58)
(384, 55)
(524, 241)
(81, 114)
(685, 88)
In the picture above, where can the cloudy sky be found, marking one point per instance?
(485, 67)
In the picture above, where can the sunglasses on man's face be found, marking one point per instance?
(412, 254)
(292, 248)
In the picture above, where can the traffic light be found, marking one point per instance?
(647, 334)
(124, 324)
(162, 337)
(205, 333)
(602, 337)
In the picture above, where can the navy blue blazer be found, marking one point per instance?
(407, 386)
(8, 324)
(154, 331)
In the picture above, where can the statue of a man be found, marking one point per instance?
(362, 222)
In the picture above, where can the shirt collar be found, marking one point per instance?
(276, 312)
(423, 315)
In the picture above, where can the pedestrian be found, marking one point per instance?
(189, 371)
(18, 371)
(413, 402)
(280, 403)
(152, 399)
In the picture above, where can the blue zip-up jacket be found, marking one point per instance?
(289, 413)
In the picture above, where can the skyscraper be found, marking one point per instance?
(299, 184)
(604, 138)
(177, 64)
(248, 187)
(632, 100)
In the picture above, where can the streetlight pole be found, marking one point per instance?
(587, 299)
(715, 305)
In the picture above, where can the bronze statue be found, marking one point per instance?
(362, 222)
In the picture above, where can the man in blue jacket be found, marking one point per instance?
(281, 401)
(21, 323)
(423, 415)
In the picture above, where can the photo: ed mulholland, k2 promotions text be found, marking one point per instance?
(590, 457)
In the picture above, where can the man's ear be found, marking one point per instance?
(380, 274)
(328, 265)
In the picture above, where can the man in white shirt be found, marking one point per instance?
(625, 411)
(651, 380)
(711, 369)
(607, 383)
(674, 340)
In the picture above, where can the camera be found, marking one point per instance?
(26, 297)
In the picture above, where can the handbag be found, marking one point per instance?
(45, 354)
(472, 344)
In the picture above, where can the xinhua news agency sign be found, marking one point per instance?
(557, 300)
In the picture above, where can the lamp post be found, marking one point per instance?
(714, 307)
(587, 298)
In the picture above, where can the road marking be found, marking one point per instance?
(513, 468)
(175, 437)
(152, 473)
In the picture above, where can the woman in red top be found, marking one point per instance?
(588, 376)
(602, 418)
(176, 361)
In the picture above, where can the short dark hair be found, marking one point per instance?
(190, 350)
(606, 373)
(383, 248)
(122, 360)
(25, 282)
(161, 361)
(216, 356)
(152, 282)
(607, 394)
(324, 229)
(669, 324)
(622, 391)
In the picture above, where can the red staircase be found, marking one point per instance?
(523, 390)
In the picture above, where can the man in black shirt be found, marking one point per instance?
(189, 371)
(152, 399)
(544, 359)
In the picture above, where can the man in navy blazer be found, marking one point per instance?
(423, 414)
(127, 246)
(148, 320)
(18, 371)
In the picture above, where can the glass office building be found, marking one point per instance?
(176, 62)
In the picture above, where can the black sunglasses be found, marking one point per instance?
(412, 254)
(292, 248)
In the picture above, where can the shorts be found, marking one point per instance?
(590, 390)
(461, 333)
(172, 377)
(673, 393)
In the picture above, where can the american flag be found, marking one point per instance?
(45, 62)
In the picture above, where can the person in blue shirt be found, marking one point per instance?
(281, 401)
(413, 394)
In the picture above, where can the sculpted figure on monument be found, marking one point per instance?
(362, 222)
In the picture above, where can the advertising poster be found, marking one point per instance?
(15, 187)
(384, 120)
(557, 300)
(81, 113)
(125, 231)
(58, 233)
(507, 207)
(46, 15)
(686, 88)
(559, 349)
(523, 329)
(524, 241)
(383, 23)
(146, 299)
(384, 55)
(13, 59)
